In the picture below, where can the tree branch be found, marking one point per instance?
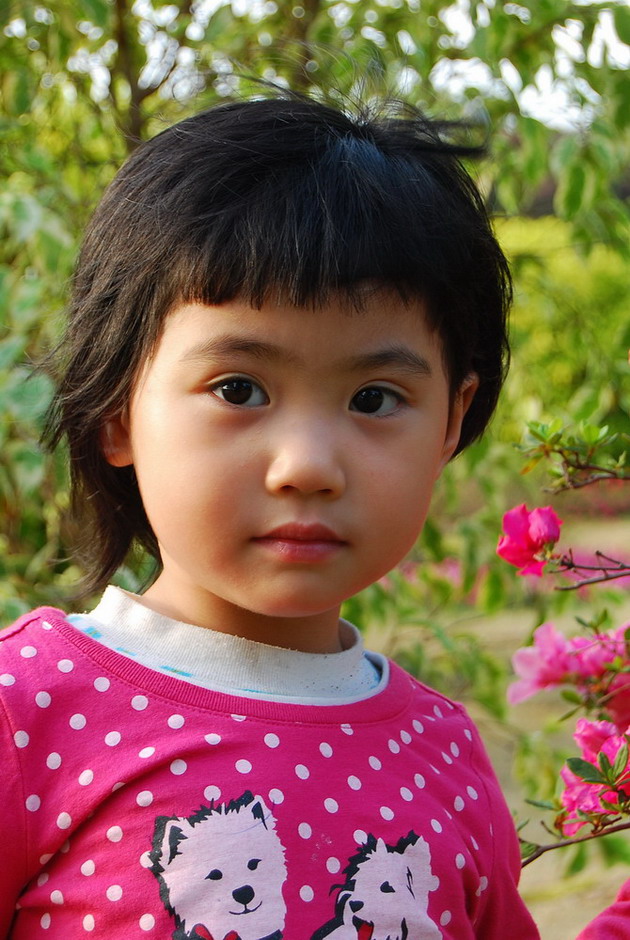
(563, 843)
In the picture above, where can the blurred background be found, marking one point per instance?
(545, 83)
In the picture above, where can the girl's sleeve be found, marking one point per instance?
(13, 844)
(614, 922)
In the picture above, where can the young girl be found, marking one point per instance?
(285, 322)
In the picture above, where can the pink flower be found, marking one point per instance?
(582, 797)
(528, 535)
(546, 663)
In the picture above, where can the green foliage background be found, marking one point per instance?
(82, 81)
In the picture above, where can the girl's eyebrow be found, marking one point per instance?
(398, 357)
(229, 345)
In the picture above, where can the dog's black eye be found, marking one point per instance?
(215, 875)
(253, 864)
(386, 888)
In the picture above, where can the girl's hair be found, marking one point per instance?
(282, 196)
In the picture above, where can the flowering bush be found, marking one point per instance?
(593, 671)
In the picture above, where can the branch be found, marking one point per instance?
(541, 849)
(607, 572)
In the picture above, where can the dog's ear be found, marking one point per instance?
(169, 834)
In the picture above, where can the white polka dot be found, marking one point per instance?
(21, 738)
(347, 729)
(144, 798)
(483, 884)
(238, 717)
(243, 766)
(472, 793)
(176, 721)
(65, 665)
(78, 721)
(447, 758)
(28, 652)
(436, 825)
(331, 805)
(43, 878)
(45, 625)
(45, 921)
(354, 783)
(139, 702)
(405, 737)
(43, 699)
(88, 922)
(276, 796)
(305, 830)
(65, 848)
(7, 679)
(386, 812)
(33, 802)
(359, 836)
(325, 749)
(419, 781)
(460, 861)
(445, 918)
(44, 859)
(212, 793)
(437, 711)
(454, 749)
(458, 804)
(394, 746)
(179, 767)
(474, 843)
(112, 738)
(212, 738)
(118, 786)
(56, 897)
(147, 922)
(307, 893)
(86, 777)
(114, 893)
(145, 860)
(64, 821)
(333, 865)
(146, 752)
(102, 684)
(88, 867)
(374, 763)
(114, 834)
(468, 733)
(418, 726)
(302, 772)
(406, 794)
(434, 769)
(272, 740)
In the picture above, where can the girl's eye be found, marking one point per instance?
(376, 400)
(240, 391)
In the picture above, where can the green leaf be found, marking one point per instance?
(622, 22)
(621, 761)
(585, 771)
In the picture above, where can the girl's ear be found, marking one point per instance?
(115, 441)
(462, 401)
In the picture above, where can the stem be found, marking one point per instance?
(541, 849)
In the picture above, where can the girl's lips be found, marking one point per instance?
(302, 532)
(301, 542)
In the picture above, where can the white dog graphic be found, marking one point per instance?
(386, 894)
(221, 871)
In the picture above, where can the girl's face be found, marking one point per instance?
(286, 458)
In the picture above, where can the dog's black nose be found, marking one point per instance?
(356, 906)
(244, 894)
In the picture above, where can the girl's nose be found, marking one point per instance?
(307, 459)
